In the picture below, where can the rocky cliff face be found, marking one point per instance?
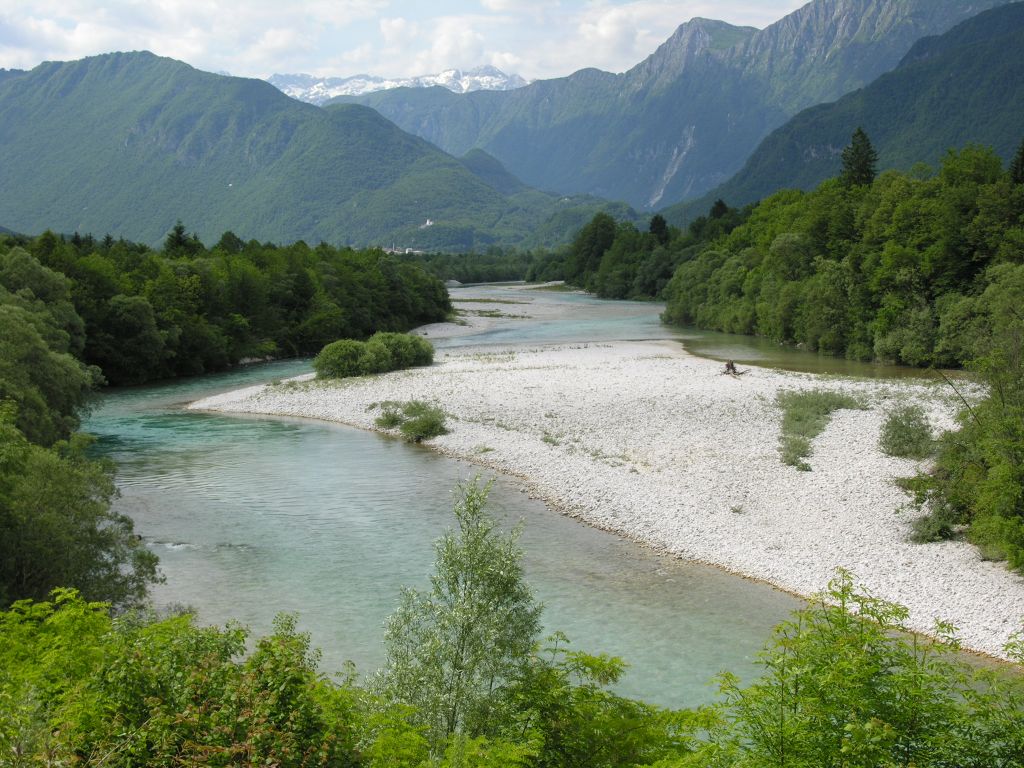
(966, 86)
(686, 118)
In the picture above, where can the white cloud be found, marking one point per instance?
(389, 37)
(398, 31)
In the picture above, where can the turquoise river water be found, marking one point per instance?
(253, 516)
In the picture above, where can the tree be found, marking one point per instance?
(718, 209)
(859, 161)
(1017, 166)
(178, 243)
(659, 228)
(453, 651)
(47, 386)
(589, 245)
(841, 688)
(57, 527)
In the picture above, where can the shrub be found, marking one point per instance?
(339, 359)
(422, 421)
(406, 349)
(415, 419)
(422, 351)
(382, 353)
(376, 358)
(390, 418)
(906, 433)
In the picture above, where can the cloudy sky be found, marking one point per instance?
(258, 38)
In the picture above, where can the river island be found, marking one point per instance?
(646, 440)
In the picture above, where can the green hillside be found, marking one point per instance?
(128, 143)
(684, 120)
(964, 86)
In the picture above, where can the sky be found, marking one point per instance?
(392, 38)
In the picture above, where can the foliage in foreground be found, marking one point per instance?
(841, 687)
(454, 651)
(57, 526)
(383, 352)
(804, 416)
(78, 687)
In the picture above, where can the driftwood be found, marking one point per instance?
(731, 370)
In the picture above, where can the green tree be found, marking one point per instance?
(860, 161)
(587, 248)
(454, 650)
(659, 228)
(48, 386)
(57, 527)
(841, 690)
(77, 686)
(1017, 166)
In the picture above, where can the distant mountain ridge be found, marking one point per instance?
(965, 86)
(319, 90)
(685, 119)
(127, 143)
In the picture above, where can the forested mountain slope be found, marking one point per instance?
(685, 119)
(964, 86)
(127, 143)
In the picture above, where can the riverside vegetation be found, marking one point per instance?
(88, 678)
(76, 312)
(468, 681)
(921, 268)
(383, 352)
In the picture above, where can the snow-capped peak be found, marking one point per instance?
(318, 90)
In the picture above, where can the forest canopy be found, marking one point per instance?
(189, 309)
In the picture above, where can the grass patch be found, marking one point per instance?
(805, 416)
(415, 419)
(550, 439)
(907, 434)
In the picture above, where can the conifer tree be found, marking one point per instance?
(659, 228)
(1017, 166)
(859, 161)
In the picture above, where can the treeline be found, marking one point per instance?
(494, 266)
(76, 312)
(616, 260)
(190, 309)
(893, 268)
(468, 681)
(56, 523)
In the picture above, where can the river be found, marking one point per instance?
(254, 516)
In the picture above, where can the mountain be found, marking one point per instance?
(127, 143)
(961, 87)
(685, 119)
(6, 74)
(319, 90)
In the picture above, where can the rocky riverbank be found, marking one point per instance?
(655, 444)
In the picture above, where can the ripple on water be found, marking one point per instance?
(254, 516)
